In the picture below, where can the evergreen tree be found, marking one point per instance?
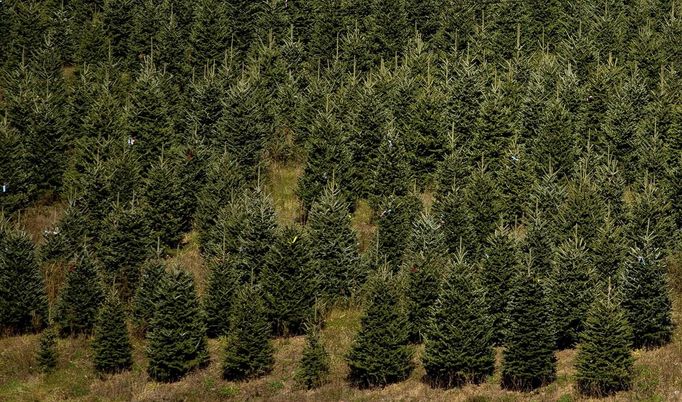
(210, 32)
(111, 344)
(516, 178)
(539, 243)
(392, 174)
(223, 282)
(147, 294)
(389, 26)
(258, 231)
(163, 203)
(452, 211)
(380, 353)
(125, 244)
(329, 157)
(499, 266)
(313, 367)
(424, 266)
(495, 127)
(604, 362)
(649, 212)
(583, 209)
(245, 124)
(458, 344)
(47, 350)
(249, 353)
(17, 176)
(646, 296)
(288, 283)
(118, 18)
(80, 298)
(571, 290)
(608, 251)
(335, 246)
(62, 242)
(528, 359)
(23, 299)
(484, 202)
(176, 340)
(394, 227)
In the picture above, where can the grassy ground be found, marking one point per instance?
(658, 372)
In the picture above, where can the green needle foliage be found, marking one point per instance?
(528, 358)
(80, 298)
(111, 345)
(646, 296)
(147, 294)
(335, 249)
(499, 267)
(571, 290)
(47, 350)
(313, 368)
(458, 344)
(223, 282)
(288, 282)
(176, 340)
(604, 364)
(381, 353)
(23, 299)
(249, 353)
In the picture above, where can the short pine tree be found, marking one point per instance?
(528, 358)
(646, 296)
(394, 227)
(604, 363)
(223, 282)
(571, 289)
(249, 353)
(147, 294)
(23, 299)
(288, 282)
(47, 350)
(381, 353)
(313, 367)
(80, 298)
(458, 344)
(424, 266)
(499, 266)
(335, 248)
(176, 340)
(111, 345)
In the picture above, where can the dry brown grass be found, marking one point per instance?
(282, 183)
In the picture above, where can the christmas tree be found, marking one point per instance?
(646, 295)
(223, 282)
(176, 340)
(528, 359)
(23, 299)
(47, 351)
(313, 367)
(248, 353)
(81, 297)
(111, 344)
(147, 294)
(380, 353)
(604, 363)
(458, 344)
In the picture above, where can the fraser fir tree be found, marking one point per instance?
(516, 178)
(649, 212)
(223, 282)
(424, 266)
(258, 230)
(147, 294)
(288, 282)
(394, 227)
(604, 364)
(80, 298)
(62, 242)
(329, 157)
(380, 353)
(335, 247)
(125, 244)
(47, 350)
(528, 358)
(23, 299)
(500, 264)
(313, 368)
(163, 203)
(176, 340)
(451, 209)
(539, 243)
(458, 344)
(571, 290)
(17, 175)
(392, 173)
(484, 201)
(583, 209)
(249, 353)
(609, 250)
(111, 344)
(210, 32)
(646, 296)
